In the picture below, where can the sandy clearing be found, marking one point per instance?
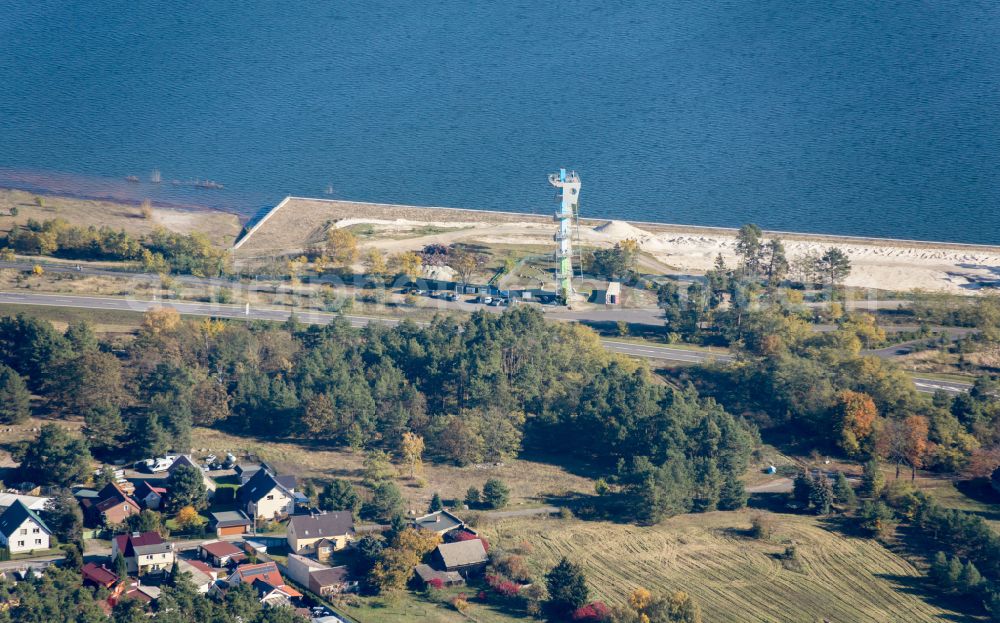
(881, 264)
(221, 227)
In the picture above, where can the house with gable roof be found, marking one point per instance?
(111, 506)
(267, 496)
(21, 530)
(320, 534)
(144, 552)
(265, 579)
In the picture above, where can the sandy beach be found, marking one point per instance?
(882, 264)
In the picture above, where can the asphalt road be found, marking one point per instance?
(644, 351)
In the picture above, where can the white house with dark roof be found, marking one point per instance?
(266, 496)
(21, 530)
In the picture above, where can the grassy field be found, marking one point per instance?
(953, 494)
(221, 227)
(531, 482)
(732, 576)
(103, 320)
(406, 607)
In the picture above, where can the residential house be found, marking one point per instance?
(21, 530)
(465, 557)
(319, 578)
(428, 574)
(320, 534)
(143, 592)
(221, 553)
(185, 459)
(33, 502)
(201, 575)
(99, 575)
(229, 523)
(150, 495)
(440, 522)
(266, 496)
(144, 552)
(246, 471)
(112, 506)
(265, 580)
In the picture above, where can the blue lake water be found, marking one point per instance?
(869, 118)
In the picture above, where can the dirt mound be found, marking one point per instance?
(622, 230)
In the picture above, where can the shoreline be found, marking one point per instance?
(252, 223)
(167, 205)
(651, 226)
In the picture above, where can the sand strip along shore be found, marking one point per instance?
(886, 264)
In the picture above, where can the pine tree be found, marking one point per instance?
(121, 569)
(147, 435)
(495, 493)
(954, 572)
(435, 504)
(802, 489)
(872, 480)
(14, 397)
(821, 495)
(102, 426)
(939, 569)
(733, 494)
(970, 580)
(843, 491)
(567, 589)
(472, 498)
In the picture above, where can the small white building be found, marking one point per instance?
(613, 295)
(21, 530)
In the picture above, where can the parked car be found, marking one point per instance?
(210, 459)
(160, 465)
(451, 296)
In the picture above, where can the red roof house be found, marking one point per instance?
(98, 575)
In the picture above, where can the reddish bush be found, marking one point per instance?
(437, 583)
(482, 596)
(507, 588)
(594, 612)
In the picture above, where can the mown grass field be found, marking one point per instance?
(406, 607)
(732, 576)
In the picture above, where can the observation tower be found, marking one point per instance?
(567, 217)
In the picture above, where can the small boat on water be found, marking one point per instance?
(155, 176)
(176, 182)
(329, 189)
(132, 178)
(208, 184)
